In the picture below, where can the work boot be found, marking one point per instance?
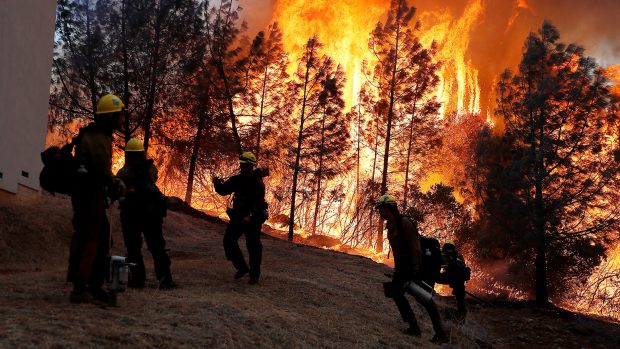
(241, 273)
(166, 283)
(440, 339)
(135, 284)
(79, 294)
(413, 330)
(100, 297)
(79, 297)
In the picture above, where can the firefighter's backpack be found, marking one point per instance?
(59, 169)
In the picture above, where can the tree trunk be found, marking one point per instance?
(357, 173)
(91, 68)
(409, 146)
(194, 157)
(231, 110)
(319, 175)
(260, 116)
(291, 221)
(127, 126)
(150, 102)
(386, 155)
(542, 292)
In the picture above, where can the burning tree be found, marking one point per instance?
(316, 89)
(267, 89)
(399, 57)
(328, 138)
(551, 175)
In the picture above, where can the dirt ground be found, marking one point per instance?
(307, 298)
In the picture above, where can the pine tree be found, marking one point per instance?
(394, 47)
(327, 138)
(558, 168)
(80, 61)
(313, 70)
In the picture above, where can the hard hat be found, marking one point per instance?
(247, 158)
(134, 144)
(449, 243)
(109, 104)
(386, 200)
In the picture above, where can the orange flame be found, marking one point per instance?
(344, 28)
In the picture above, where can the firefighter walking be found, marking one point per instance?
(454, 273)
(247, 215)
(142, 211)
(93, 181)
(405, 242)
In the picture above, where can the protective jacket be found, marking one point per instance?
(140, 178)
(249, 198)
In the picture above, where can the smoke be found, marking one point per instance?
(257, 14)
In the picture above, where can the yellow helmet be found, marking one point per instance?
(247, 158)
(134, 144)
(449, 242)
(386, 199)
(109, 104)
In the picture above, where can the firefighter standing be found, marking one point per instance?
(455, 272)
(142, 212)
(90, 242)
(405, 242)
(247, 215)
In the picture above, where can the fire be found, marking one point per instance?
(459, 89)
(344, 28)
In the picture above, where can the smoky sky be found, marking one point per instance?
(593, 24)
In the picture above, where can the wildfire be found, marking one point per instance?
(344, 28)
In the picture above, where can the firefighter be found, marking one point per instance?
(93, 182)
(454, 273)
(142, 212)
(247, 215)
(405, 242)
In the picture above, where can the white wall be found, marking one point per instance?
(26, 46)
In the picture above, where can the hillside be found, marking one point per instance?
(307, 298)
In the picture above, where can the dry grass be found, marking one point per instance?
(307, 297)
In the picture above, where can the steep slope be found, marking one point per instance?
(307, 298)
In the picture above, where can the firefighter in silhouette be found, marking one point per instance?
(142, 211)
(405, 242)
(454, 273)
(93, 182)
(247, 215)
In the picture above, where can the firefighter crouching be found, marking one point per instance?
(247, 215)
(405, 242)
(455, 273)
(93, 182)
(142, 212)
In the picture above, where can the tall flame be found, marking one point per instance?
(344, 27)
